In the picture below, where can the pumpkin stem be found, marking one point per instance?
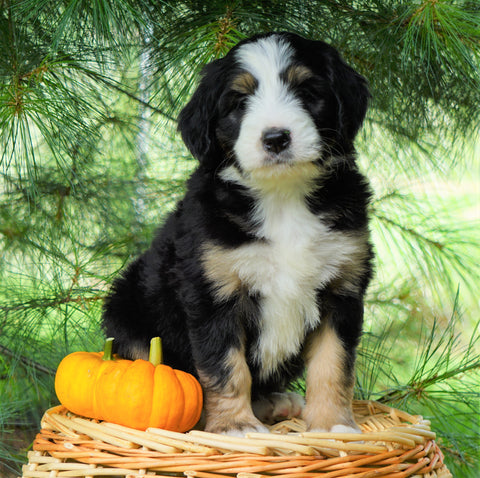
(155, 357)
(107, 349)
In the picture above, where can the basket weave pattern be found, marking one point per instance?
(394, 444)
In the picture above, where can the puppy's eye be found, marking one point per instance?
(241, 102)
(233, 102)
(313, 94)
(313, 89)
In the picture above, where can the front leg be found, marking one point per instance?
(330, 357)
(219, 354)
(227, 400)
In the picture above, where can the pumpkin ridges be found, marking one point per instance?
(76, 394)
(99, 372)
(134, 395)
(176, 414)
(168, 399)
(193, 400)
(199, 399)
(196, 416)
(106, 390)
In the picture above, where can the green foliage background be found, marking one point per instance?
(91, 163)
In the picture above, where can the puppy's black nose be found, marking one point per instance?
(276, 140)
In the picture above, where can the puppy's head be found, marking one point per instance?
(274, 101)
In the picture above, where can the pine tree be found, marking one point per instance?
(90, 164)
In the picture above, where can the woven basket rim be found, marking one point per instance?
(394, 443)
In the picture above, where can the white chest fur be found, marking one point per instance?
(301, 256)
(295, 256)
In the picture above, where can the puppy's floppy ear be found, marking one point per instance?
(198, 118)
(352, 95)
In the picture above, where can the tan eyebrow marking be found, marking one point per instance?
(244, 83)
(296, 74)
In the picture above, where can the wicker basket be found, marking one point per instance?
(394, 444)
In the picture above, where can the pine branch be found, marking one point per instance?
(46, 302)
(116, 86)
(26, 361)
(441, 359)
(410, 231)
(417, 389)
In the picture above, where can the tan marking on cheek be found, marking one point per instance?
(297, 74)
(229, 407)
(244, 83)
(329, 388)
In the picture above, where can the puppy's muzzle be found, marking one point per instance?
(276, 140)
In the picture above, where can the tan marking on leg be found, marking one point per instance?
(329, 388)
(229, 409)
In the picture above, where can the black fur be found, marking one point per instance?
(165, 292)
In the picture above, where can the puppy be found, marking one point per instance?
(262, 268)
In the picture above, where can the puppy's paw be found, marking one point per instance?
(242, 432)
(333, 419)
(235, 426)
(339, 428)
(278, 406)
(345, 429)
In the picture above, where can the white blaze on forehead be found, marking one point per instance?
(273, 105)
(265, 59)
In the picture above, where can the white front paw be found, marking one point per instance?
(339, 428)
(241, 433)
(344, 429)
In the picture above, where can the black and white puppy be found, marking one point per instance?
(262, 268)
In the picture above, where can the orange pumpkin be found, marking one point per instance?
(138, 394)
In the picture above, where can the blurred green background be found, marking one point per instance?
(91, 163)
